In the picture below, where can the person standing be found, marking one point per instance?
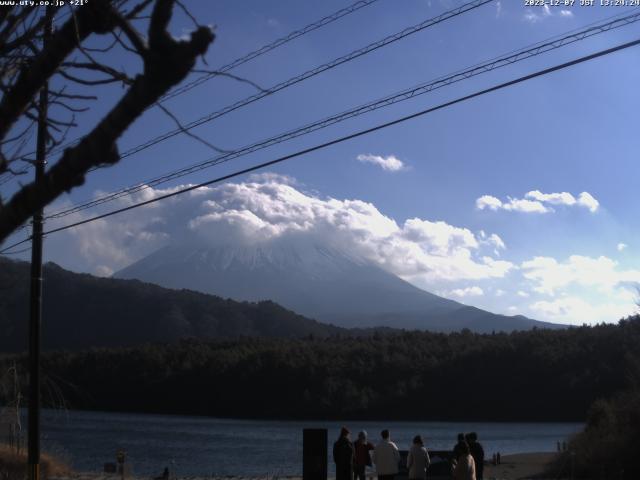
(465, 467)
(362, 456)
(418, 460)
(477, 452)
(457, 447)
(386, 457)
(343, 455)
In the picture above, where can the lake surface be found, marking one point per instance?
(192, 446)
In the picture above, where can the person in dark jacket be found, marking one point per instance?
(362, 448)
(344, 455)
(457, 449)
(477, 452)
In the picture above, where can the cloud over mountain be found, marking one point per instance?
(266, 207)
(430, 253)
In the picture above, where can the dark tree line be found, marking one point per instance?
(608, 446)
(537, 375)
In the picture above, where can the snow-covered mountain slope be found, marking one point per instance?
(316, 281)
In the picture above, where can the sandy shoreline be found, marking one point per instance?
(519, 467)
(513, 467)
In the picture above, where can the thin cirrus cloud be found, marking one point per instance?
(533, 16)
(390, 163)
(538, 15)
(537, 202)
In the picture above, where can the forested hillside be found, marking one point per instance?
(535, 375)
(82, 311)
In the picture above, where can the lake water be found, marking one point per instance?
(194, 446)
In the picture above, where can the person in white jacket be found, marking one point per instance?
(386, 457)
(418, 460)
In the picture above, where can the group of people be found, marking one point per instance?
(353, 458)
(468, 458)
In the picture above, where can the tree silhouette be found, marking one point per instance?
(27, 62)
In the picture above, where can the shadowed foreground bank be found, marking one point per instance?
(513, 467)
(13, 465)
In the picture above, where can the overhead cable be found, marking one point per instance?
(343, 139)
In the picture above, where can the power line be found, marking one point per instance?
(345, 138)
(407, 94)
(309, 74)
(267, 48)
(18, 252)
(249, 56)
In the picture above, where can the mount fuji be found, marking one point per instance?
(316, 281)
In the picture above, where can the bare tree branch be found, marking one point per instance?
(137, 9)
(188, 13)
(232, 76)
(188, 132)
(96, 16)
(132, 34)
(166, 63)
(83, 81)
(112, 72)
(61, 94)
(67, 107)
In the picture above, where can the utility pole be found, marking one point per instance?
(36, 280)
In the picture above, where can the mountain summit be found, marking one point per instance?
(316, 281)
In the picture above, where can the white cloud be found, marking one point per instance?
(586, 200)
(563, 198)
(499, 292)
(389, 163)
(538, 15)
(536, 202)
(523, 294)
(621, 246)
(525, 206)
(575, 310)
(602, 273)
(531, 17)
(497, 241)
(493, 241)
(487, 201)
(498, 9)
(467, 292)
(266, 207)
(513, 205)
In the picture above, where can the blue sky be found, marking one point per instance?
(565, 258)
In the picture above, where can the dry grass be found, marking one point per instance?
(13, 466)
